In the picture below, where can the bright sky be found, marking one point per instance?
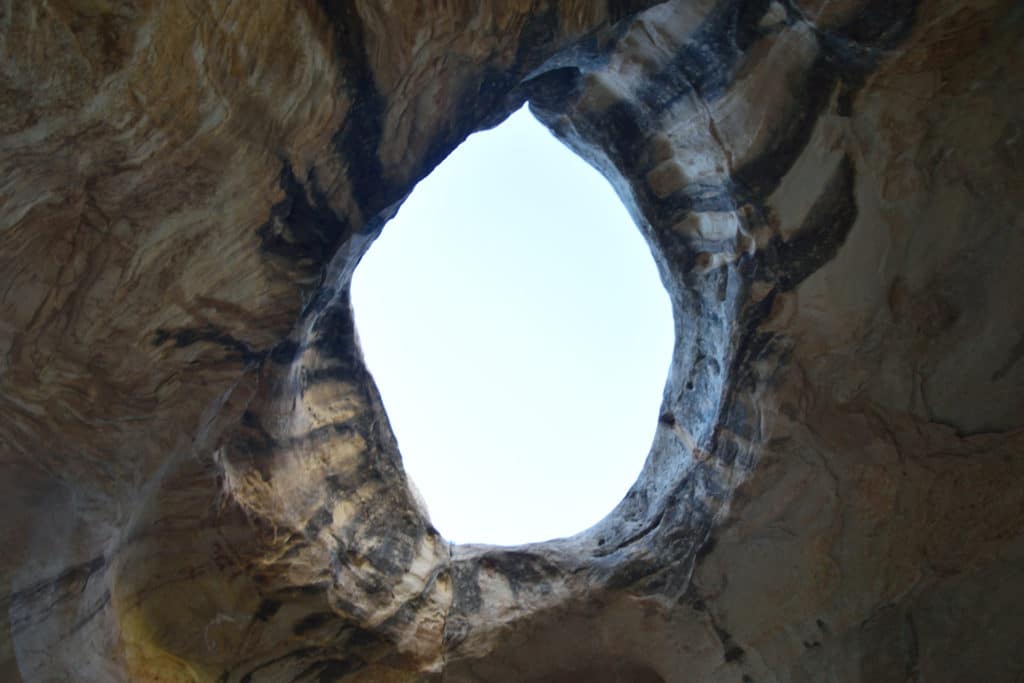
(514, 321)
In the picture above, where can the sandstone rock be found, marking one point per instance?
(200, 481)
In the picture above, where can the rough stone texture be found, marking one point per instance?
(199, 480)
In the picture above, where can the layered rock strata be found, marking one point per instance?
(200, 481)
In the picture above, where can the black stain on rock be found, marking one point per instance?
(521, 569)
(483, 102)
(621, 131)
(731, 651)
(330, 670)
(284, 353)
(394, 550)
(550, 90)
(267, 609)
(706, 548)
(621, 9)
(537, 36)
(251, 437)
(644, 531)
(313, 622)
(759, 177)
(360, 135)
(880, 24)
(295, 657)
(46, 593)
(360, 638)
(823, 231)
(302, 227)
(321, 519)
(338, 371)
(467, 598)
(734, 653)
(187, 336)
(707, 62)
(334, 331)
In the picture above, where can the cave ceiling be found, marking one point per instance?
(199, 480)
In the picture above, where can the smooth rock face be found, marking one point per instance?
(199, 480)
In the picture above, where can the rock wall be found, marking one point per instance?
(200, 482)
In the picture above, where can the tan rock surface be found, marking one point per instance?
(199, 479)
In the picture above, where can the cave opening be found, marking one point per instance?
(514, 321)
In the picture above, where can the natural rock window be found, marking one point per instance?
(513, 319)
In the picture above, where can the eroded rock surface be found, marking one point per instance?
(200, 483)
